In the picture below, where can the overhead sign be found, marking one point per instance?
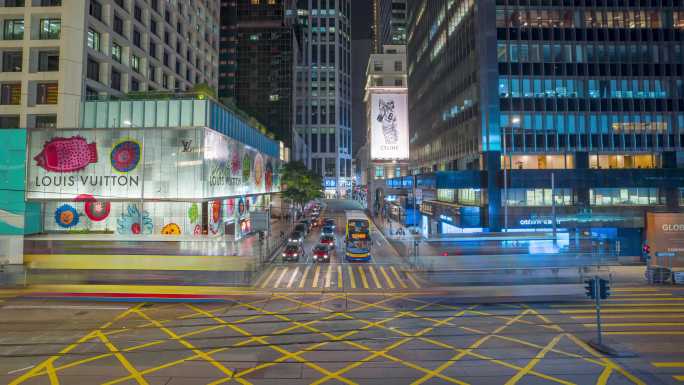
(389, 127)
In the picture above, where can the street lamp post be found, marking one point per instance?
(505, 175)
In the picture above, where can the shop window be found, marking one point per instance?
(625, 197)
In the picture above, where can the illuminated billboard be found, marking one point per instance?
(389, 127)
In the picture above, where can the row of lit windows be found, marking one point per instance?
(567, 161)
(544, 197)
(589, 53)
(591, 88)
(594, 123)
(566, 18)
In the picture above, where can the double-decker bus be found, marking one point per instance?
(357, 236)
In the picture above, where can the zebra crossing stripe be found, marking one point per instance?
(292, 278)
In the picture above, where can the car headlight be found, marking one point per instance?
(294, 255)
(284, 255)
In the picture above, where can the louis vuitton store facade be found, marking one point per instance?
(189, 167)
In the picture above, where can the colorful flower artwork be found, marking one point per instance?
(241, 207)
(66, 216)
(95, 211)
(235, 166)
(215, 222)
(125, 155)
(171, 229)
(230, 207)
(129, 222)
(66, 154)
(258, 170)
(268, 177)
(193, 213)
(246, 168)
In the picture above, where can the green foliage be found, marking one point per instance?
(204, 90)
(300, 185)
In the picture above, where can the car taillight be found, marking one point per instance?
(445, 254)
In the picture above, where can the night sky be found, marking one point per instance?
(362, 19)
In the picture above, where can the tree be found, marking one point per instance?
(300, 185)
(204, 90)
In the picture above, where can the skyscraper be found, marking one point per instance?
(258, 45)
(389, 23)
(542, 115)
(56, 53)
(323, 92)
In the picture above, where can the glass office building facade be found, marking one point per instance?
(588, 92)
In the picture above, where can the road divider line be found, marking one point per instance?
(268, 278)
(328, 276)
(647, 333)
(396, 275)
(613, 310)
(630, 316)
(364, 281)
(634, 324)
(303, 280)
(374, 276)
(339, 276)
(352, 280)
(387, 278)
(413, 280)
(668, 364)
(317, 272)
(280, 278)
(292, 278)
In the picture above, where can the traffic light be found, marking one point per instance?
(261, 236)
(590, 288)
(646, 250)
(604, 288)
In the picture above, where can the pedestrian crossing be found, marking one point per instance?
(335, 276)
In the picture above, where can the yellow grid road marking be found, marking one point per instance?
(352, 280)
(280, 278)
(413, 280)
(192, 348)
(315, 277)
(364, 281)
(396, 275)
(48, 363)
(387, 278)
(292, 278)
(374, 276)
(303, 281)
(268, 279)
(533, 362)
(328, 276)
(339, 276)
(126, 364)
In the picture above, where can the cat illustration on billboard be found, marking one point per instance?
(66, 154)
(388, 118)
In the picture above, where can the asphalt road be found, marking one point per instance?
(385, 271)
(342, 338)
